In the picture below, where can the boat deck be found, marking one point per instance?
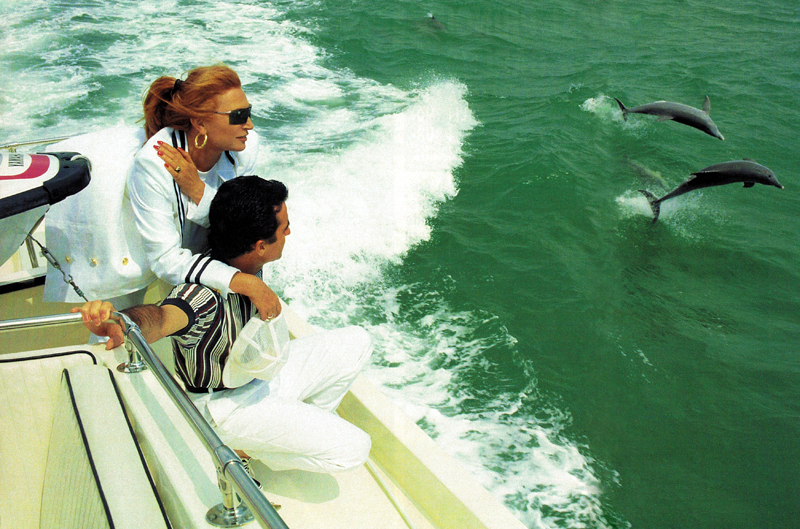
(345, 500)
(409, 482)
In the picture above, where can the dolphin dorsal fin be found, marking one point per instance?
(707, 105)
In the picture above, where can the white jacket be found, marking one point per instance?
(173, 229)
(92, 233)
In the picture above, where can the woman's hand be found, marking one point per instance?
(95, 314)
(265, 300)
(183, 170)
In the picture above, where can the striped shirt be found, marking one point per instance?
(201, 348)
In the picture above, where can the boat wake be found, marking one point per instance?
(358, 210)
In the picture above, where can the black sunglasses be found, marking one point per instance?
(238, 116)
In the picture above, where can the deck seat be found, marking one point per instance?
(64, 410)
(29, 386)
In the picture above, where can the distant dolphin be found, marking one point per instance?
(647, 175)
(666, 110)
(746, 171)
(434, 23)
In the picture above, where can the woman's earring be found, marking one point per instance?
(202, 144)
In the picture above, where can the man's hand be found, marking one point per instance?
(265, 300)
(95, 315)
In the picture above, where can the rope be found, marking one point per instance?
(54, 263)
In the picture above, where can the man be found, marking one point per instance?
(287, 422)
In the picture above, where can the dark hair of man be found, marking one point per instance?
(243, 212)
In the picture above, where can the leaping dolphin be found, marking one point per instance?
(746, 171)
(666, 110)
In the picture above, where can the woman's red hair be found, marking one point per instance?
(164, 106)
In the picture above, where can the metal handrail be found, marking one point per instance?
(222, 454)
(38, 321)
(227, 462)
(12, 147)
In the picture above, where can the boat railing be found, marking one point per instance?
(242, 501)
(12, 147)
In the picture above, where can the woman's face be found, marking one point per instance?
(223, 136)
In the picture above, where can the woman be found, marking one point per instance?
(199, 135)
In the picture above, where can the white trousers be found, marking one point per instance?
(289, 422)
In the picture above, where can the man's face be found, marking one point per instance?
(275, 250)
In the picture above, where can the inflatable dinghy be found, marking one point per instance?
(29, 185)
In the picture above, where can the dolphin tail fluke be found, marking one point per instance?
(655, 205)
(622, 108)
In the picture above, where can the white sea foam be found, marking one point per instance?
(514, 443)
(681, 214)
(605, 108)
(368, 202)
(632, 203)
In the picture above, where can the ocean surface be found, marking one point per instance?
(464, 186)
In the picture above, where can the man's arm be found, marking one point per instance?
(155, 321)
(263, 297)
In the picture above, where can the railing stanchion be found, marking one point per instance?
(135, 364)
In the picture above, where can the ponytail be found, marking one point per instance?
(171, 102)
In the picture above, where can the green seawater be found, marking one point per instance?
(590, 367)
(673, 346)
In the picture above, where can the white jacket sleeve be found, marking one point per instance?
(158, 217)
(198, 213)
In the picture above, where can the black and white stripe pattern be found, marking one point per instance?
(202, 349)
(199, 266)
(176, 134)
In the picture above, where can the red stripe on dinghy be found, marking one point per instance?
(40, 163)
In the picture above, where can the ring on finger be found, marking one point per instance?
(177, 168)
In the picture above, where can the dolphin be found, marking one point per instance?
(647, 175)
(666, 110)
(746, 171)
(434, 23)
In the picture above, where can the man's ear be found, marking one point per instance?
(262, 245)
